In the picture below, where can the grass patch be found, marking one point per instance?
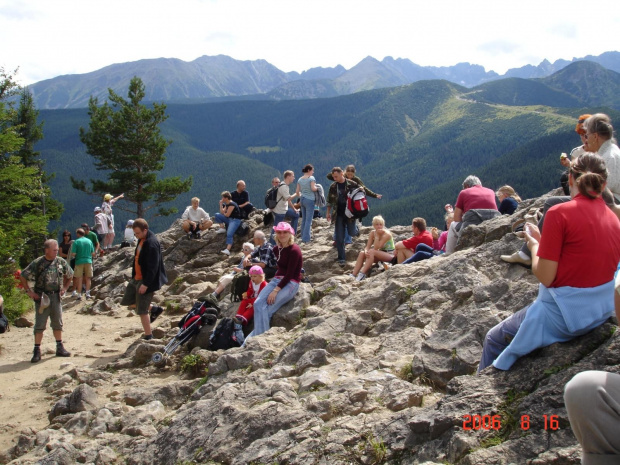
(406, 373)
(194, 365)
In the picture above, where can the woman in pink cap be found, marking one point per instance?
(285, 284)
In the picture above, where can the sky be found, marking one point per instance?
(48, 38)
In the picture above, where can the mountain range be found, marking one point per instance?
(414, 144)
(218, 77)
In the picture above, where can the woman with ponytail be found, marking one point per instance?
(574, 259)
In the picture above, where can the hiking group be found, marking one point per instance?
(572, 247)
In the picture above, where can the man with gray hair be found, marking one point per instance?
(52, 277)
(262, 256)
(473, 197)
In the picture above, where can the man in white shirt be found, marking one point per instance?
(195, 219)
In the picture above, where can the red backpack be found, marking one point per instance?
(357, 205)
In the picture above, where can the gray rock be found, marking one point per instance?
(81, 399)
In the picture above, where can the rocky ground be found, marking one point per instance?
(380, 371)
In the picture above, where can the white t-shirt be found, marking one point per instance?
(283, 195)
(196, 215)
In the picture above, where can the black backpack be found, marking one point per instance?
(223, 336)
(243, 229)
(4, 323)
(271, 198)
(239, 285)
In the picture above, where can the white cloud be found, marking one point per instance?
(75, 36)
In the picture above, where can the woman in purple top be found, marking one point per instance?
(284, 285)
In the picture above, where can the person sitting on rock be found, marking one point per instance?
(195, 219)
(508, 200)
(380, 247)
(284, 285)
(245, 313)
(229, 218)
(228, 277)
(474, 205)
(577, 279)
(262, 255)
(405, 249)
(424, 252)
(242, 198)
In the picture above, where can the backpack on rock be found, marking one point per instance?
(223, 336)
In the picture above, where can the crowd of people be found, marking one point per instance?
(573, 251)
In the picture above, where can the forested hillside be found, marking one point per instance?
(413, 144)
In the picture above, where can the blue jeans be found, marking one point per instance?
(343, 225)
(231, 226)
(347, 237)
(499, 337)
(263, 311)
(307, 213)
(422, 252)
(279, 217)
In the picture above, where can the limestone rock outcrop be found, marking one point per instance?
(377, 371)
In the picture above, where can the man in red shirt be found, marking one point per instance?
(405, 249)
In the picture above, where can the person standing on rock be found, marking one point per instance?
(336, 207)
(106, 206)
(576, 279)
(148, 275)
(306, 187)
(83, 252)
(102, 224)
(284, 285)
(285, 208)
(52, 277)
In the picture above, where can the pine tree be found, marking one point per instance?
(125, 140)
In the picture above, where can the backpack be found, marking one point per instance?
(223, 336)
(319, 196)
(239, 285)
(357, 205)
(4, 323)
(271, 198)
(243, 229)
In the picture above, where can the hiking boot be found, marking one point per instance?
(342, 263)
(155, 312)
(61, 351)
(147, 337)
(36, 355)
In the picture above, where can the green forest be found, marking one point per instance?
(414, 144)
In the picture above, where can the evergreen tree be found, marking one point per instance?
(125, 140)
(31, 131)
(20, 217)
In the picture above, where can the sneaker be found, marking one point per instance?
(220, 231)
(78, 298)
(360, 276)
(74, 294)
(226, 252)
(342, 263)
(36, 355)
(155, 312)
(517, 257)
(61, 351)
(88, 296)
(351, 275)
(147, 337)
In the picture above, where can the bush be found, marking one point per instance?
(16, 303)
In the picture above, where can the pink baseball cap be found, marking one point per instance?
(256, 270)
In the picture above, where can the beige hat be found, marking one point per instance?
(45, 302)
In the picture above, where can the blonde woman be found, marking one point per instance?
(285, 283)
(508, 200)
(379, 248)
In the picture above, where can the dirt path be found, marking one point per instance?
(93, 340)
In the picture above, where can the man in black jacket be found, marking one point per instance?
(147, 276)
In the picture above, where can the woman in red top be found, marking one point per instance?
(575, 263)
(285, 284)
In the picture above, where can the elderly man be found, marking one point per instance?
(473, 197)
(195, 219)
(242, 198)
(52, 276)
(262, 256)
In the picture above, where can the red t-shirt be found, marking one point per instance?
(476, 197)
(583, 236)
(422, 238)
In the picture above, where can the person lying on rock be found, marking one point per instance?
(228, 277)
(405, 249)
(380, 247)
(574, 259)
(424, 252)
(245, 312)
(284, 285)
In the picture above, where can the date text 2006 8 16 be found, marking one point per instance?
(488, 422)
